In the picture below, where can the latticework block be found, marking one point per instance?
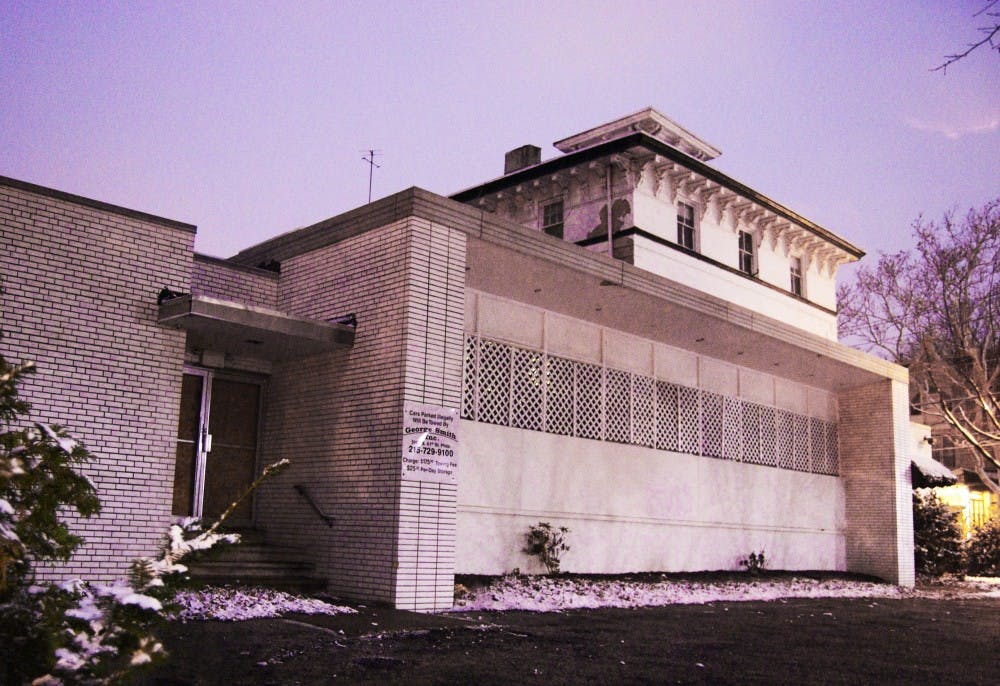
(559, 396)
(688, 420)
(666, 416)
(494, 383)
(712, 424)
(618, 406)
(589, 404)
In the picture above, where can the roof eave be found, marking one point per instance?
(641, 139)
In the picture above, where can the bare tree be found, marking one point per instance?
(989, 33)
(936, 310)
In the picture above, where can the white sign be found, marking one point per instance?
(430, 443)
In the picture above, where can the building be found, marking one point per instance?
(967, 493)
(621, 340)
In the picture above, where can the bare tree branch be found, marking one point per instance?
(934, 309)
(989, 31)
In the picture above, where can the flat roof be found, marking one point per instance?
(95, 204)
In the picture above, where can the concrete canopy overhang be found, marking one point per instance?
(612, 293)
(244, 330)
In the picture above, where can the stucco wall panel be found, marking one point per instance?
(718, 377)
(791, 396)
(636, 509)
(510, 321)
(633, 354)
(756, 387)
(572, 338)
(676, 366)
(821, 404)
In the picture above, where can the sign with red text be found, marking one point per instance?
(430, 443)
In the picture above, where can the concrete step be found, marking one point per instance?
(296, 583)
(255, 563)
(257, 552)
(250, 568)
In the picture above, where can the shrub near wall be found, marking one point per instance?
(937, 537)
(983, 550)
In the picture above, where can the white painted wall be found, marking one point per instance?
(733, 287)
(507, 320)
(630, 508)
(719, 241)
(649, 205)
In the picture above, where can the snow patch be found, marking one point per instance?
(126, 595)
(233, 604)
(67, 444)
(553, 594)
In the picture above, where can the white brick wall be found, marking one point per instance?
(81, 281)
(338, 417)
(875, 467)
(246, 285)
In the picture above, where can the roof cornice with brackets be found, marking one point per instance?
(650, 160)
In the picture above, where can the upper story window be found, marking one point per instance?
(796, 276)
(747, 253)
(552, 218)
(685, 226)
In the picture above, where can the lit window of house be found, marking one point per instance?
(552, 218)
(746, 253)
(796, 274)
(685, 226)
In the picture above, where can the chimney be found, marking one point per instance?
(522, 157)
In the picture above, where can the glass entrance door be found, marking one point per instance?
(216, 456)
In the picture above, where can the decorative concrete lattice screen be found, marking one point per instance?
(527, 389)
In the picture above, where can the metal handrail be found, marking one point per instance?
(304, 492)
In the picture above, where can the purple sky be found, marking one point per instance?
(250, 119)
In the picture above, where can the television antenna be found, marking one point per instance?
(370, 159)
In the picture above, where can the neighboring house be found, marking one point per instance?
(973, 500)
(445, 372)
(968, 495)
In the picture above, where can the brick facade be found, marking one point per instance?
(875, 467)
(81, 280)
(339, 417)
(219, 279)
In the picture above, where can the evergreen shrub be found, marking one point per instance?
(937, 537)
(983, 550)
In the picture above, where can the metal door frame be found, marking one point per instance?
(204, 440)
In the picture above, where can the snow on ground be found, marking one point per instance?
(552, 594)
(237, 604)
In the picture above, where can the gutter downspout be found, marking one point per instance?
(611, 248)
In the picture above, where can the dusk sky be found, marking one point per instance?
(251, 119)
